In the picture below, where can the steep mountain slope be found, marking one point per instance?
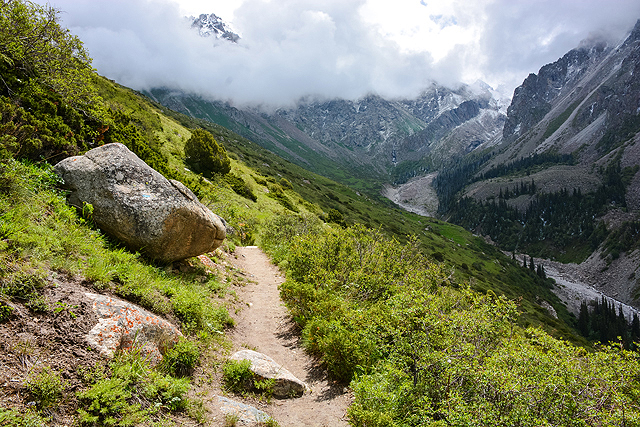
(363, 142)
(585, 104)
(563, 182)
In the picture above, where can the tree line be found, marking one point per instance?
(599, 321)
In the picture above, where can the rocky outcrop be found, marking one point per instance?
(125, 326)
(286, 384)
(534, 98)
(135, 204)
(213, 26)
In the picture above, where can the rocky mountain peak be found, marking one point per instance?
(212, 25)
(533, 99)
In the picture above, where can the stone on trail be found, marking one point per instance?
(245, 413)
(123, 326)
(135, 204)
(286, 384)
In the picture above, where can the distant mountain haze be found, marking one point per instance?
(329, 49)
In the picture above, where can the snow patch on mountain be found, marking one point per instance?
(212, 25)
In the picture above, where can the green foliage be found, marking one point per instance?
(193, 307)
(284, 183)
(5, 312)
(132, 393)
(129, 131)
(531, 380)
(420, 350)
(13, 418)
(242, 188)
(205, 155)
(33, 43)
(277, 192)
(628, 126)
(270, 423)
(555, 124)
(551, 223)
(280, 231)
(603, 323)
(45, 387)
(181, 359)
(625, 238)
(237, 375)
(336, 217)
(25, 287)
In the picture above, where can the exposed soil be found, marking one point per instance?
(31, 341)
(263, 325)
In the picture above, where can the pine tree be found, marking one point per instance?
(583, 319)
(635, 328)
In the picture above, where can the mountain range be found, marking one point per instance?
(572, 129)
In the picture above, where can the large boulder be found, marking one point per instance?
(140, 207)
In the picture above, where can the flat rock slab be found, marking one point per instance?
(247, 415)
(122, 326)
(286, 384)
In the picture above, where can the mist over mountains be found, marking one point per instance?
(329, 49)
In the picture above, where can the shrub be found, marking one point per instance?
(5, 312)
(240, 187)
(336, 217)
(45, 387)
(277, 192)
(181, 359)
(280, 231)
(285, 183)
(418, 351)
(193, 307)
(237, 375)
(132, 393)
(205, 155)
(13, 418)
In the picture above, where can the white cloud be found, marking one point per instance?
(335, 48)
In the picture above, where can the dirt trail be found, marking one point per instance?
(265, 326)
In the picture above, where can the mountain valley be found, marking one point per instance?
(399, 254)
(572, 128)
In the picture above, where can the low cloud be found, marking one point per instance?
(328, 48)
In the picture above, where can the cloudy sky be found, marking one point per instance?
(336, 48)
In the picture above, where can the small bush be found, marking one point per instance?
(181, 359)
(13, 418)
(240, 187)
(285, 183)
(336, 217)
(265, 386)
(132, 393)
(269, 423)
(237, 375)
(205, 155)
(45, 388)
(26, 287)
(5, 312)
(194, 309)
(277, 192)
